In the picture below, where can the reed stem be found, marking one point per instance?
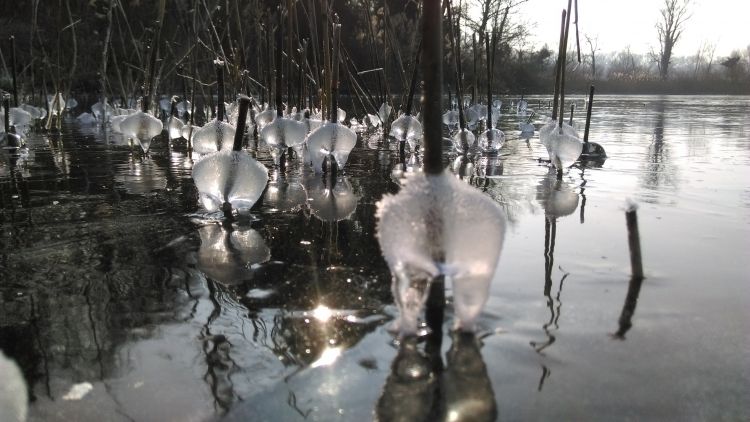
(220, 112)
(432, 73)
(634, 243)
(588, 116)
(239, 133)
(12, 40)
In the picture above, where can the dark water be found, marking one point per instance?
(112, 275)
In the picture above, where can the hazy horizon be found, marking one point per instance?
(622, 24)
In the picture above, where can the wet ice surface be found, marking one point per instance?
(111, 277)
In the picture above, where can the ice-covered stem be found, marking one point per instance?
(413, 84)
(278, 64)
(335, 72)
(432, 73)
(634, 242)
(12, 40)
(588, 115)
(241, 122)
(560, 63)
(563, 60)
(220, 108)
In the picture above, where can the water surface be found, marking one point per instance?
(113, 275)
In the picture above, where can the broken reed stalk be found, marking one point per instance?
(413, 84)
(563, 61)
(588, 116)
(302, 60)
(490, 65)
(634, 242)
(12, 40)
(432, 74)
(290, 50)
(476, 76)
(458, 73)
(244, 101)
(103, 81)
(572, 110)
(335, 71)
(220, 112)
(6, 113)
(279, 45)
(555, 97)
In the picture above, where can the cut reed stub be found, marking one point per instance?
(634, 241)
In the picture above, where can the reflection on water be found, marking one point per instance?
(108, 279)
(228, 254)
(659, 171)
(422, 388)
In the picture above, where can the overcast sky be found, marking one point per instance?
(619, 23)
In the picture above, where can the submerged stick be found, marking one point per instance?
(634, 242)
(588, 116)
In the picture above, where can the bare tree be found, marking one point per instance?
(669, 28)
(593, 47)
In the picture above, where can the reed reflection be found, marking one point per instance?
(227, 254)
(557, 199)
(420, 388)
(331, 199)
(625, 322)
(141, 176)
(659, 170)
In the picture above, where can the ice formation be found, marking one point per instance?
(229, 176)
(142, 127)
(213, 136)
(330, 139)
(407, 128)
(437, 225)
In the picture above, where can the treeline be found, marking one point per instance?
(60, 46)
